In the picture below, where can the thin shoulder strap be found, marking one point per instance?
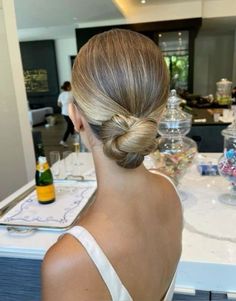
(105, 268)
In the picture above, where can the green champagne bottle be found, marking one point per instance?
(44, 182)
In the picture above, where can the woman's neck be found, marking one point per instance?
(111, 177)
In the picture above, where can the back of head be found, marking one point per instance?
(120, 82)
(66, 86)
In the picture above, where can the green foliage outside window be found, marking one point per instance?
(178, 66)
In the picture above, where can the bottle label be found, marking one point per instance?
(45, 193)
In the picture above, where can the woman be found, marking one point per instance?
(64, 99)
(128, 243)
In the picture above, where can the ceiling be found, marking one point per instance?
(58, 18)
(50, 13)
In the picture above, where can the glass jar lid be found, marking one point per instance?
(174, 121)
(223, 82)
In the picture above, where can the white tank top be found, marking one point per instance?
(116, 288)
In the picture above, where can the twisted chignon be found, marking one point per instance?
(127, 139)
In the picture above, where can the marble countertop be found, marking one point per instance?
(207, 221)
(208, 260)
(209, 237)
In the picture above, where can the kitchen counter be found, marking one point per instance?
(208, 259)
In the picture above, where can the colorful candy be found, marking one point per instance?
(174, 165)
(227, 165)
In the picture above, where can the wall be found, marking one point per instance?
(41, 55)
(16, 152)
(64, 49)
(213, 61)
(209, 47)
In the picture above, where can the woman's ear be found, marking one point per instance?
(75, 116)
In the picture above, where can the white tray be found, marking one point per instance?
(71, 198)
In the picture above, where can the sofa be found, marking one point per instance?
(37, 116)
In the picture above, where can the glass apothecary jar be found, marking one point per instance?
(223, 92)
(175, 151)
(227, 164)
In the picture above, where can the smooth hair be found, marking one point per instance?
(120, 82)
(66, 86)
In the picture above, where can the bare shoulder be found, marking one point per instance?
(171, 215)
(169, 197)
(60, 255)
(168, 189)
(68, 273)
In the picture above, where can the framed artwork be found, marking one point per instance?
(36, 81)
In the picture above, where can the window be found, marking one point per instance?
(175, 48)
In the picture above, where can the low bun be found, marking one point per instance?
(127, 139)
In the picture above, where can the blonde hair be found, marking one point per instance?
(120, 82)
